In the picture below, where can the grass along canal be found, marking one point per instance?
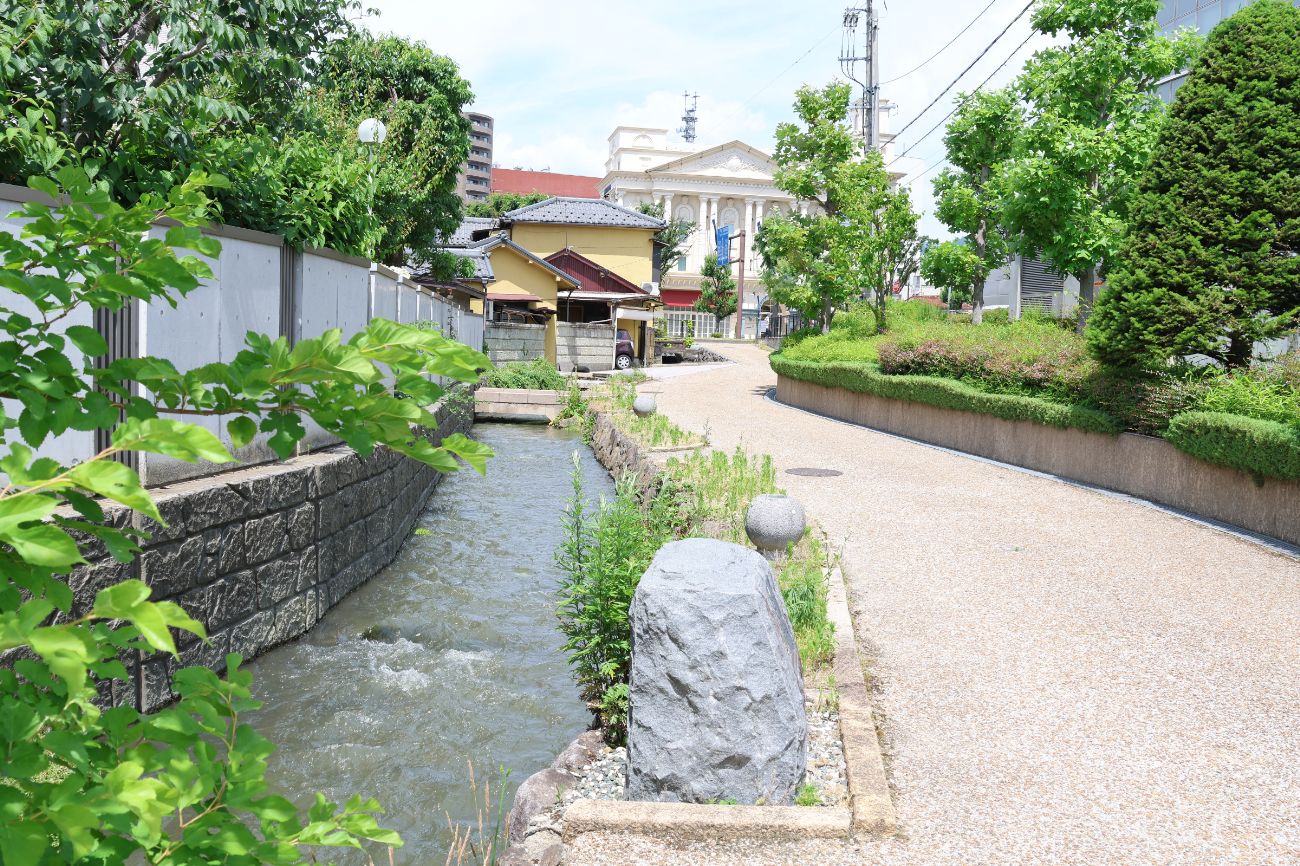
(449, 655)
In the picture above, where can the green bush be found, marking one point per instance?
(1261, 394)
(602, 558)
(538, 375)
(1263, 448)
(944, 393)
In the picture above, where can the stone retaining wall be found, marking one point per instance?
(1140, 466)
(508, 341)
(258, 555)
(579, 345)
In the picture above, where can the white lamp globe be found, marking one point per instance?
(372, 131)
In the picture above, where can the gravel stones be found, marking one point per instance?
(717, 708)
(774, 522)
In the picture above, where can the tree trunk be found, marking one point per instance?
(828, 310)
(1241, 349)
(981, 250)
(1087, 291)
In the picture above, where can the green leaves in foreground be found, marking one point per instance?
(186, 785)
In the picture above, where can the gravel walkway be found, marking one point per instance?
(1062, 677)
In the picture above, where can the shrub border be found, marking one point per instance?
(1267, 449)
(865, 378)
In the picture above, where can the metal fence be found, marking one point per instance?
(258, 284)
(777, 328)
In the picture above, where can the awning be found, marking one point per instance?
(634, 315)
(505, 296)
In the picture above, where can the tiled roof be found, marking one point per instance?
(582, 212)
(479, 257)
(594, 277)
(546, 182)
(501, 240)
(464, 234)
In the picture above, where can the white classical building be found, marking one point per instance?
(729, 184)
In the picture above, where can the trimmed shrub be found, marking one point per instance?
(1263, 448)
(945, 394)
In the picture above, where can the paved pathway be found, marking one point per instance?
(1061, 677)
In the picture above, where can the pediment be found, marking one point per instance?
(735, 160)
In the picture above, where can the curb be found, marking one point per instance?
(693, 821)
(873, 807)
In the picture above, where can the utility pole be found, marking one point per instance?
(851, 54)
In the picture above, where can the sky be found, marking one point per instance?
(557, 77)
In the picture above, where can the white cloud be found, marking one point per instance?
(557, 77)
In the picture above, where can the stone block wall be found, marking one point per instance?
(578, 345)
(258, 555)
(510, 341)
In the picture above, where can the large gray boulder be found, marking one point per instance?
(717, 708)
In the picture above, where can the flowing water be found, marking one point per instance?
(449, 655)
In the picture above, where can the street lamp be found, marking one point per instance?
(371, 132)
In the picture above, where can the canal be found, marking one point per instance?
(449, 655)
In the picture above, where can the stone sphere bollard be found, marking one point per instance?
(774, 522)
(643, 405)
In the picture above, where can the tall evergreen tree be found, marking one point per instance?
(1211, 264)
(717, 290)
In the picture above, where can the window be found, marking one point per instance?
(681, 263)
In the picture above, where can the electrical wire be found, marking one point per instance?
(977, 89)
(801, 59)
(953, 83)
(928, 169)
(927, 61)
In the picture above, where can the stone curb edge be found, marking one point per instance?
(694, 821)
(873, 807)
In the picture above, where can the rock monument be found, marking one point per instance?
(717, 708)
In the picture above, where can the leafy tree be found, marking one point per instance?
(186, 784)
(140, 88)
(1093, 117)
(419, 96)
(979, 140)
(863, 233)
(954, 267)
(1212, 261)
(717, 290)
(673, 239)
(499, 203)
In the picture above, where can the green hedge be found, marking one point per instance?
(866, 378)
(1264, 448)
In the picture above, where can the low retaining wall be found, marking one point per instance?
(516, 404)
(506, 342)
(258, 555)
(590, 346)
(1140, 466)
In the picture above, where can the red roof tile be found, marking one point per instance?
(546, 182)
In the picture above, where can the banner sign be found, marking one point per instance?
(724, 245)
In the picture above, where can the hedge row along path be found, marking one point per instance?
(1062, 677)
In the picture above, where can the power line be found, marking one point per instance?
(977, 89)
(801, 59)
(931, 167)
(944, 48)
(953, 83)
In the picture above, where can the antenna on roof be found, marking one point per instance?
(692, 101)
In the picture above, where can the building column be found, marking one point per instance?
(619, 198)
(749, 232)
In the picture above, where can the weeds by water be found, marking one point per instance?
(483, 841)
(653, 431)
